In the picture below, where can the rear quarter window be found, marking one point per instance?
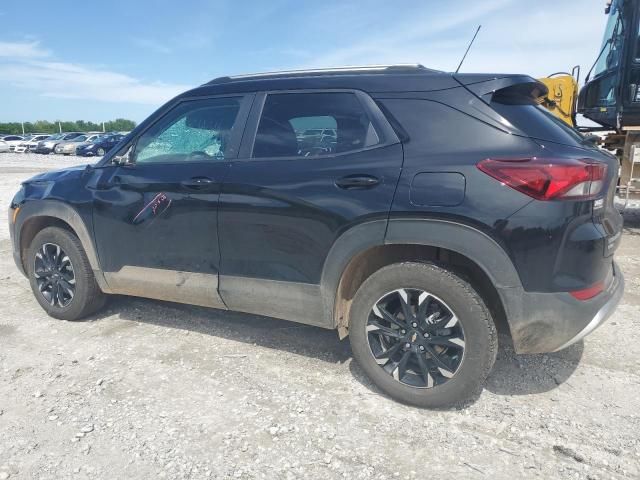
(534, 120)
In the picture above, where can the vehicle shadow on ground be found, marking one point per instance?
(530, 374)
(631, 217)
(313, 342)
(512, 374)
(515, 374)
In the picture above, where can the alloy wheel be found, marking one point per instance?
(415, 337)
(54, 275)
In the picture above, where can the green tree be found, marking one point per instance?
(45, 126)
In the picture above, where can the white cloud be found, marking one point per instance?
(150, 44)
(406, 37)
(24, 65)
(22, 50)
(65, 80)
(186, 40)
(512, 39)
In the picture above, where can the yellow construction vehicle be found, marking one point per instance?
(562, 97)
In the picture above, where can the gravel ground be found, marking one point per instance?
(148, 389)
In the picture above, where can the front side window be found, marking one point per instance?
(197, 131)
(313, 125)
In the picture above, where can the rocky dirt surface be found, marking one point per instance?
(148, 389)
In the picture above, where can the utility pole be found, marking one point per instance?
(60, 127)
(102, 127)
(22, 127)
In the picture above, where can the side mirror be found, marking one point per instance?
(591, 139)
(127, 158)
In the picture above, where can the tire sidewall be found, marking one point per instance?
(479, 331)
(79, 262)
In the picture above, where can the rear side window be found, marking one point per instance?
(313, 125)
(524, 113)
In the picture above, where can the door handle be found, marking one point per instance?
(197, 182)
(353, 182)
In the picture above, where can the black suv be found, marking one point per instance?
(444, 204)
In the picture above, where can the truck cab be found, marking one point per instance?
(611, 94)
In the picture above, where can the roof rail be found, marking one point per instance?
(401, 67)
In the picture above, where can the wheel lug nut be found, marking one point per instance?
(421, 348)
(414, 324)
(426, 335)
(403, 331)
(407, 345)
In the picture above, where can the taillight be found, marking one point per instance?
(549, 178)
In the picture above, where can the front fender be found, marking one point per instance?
(33, 209)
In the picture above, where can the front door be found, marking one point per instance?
(155, 214)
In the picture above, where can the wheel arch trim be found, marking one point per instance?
(460, 238)
(457, 237)
(66, 213)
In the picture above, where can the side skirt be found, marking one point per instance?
(296, 302)
(170, 285)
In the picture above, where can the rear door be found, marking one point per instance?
(292, 193)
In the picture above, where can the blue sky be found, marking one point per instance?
(74, 60)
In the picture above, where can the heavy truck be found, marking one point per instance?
(610, 96)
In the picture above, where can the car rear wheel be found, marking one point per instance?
(60, 275)
(422, 334)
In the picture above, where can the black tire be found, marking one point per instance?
(87, 297)
(480, 337)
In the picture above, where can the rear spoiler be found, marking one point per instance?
(486, 86)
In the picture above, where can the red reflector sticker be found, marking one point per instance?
(588, 293)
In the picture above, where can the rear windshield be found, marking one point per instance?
(534, 120)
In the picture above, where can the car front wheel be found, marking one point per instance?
(60, 275)
(422, 334)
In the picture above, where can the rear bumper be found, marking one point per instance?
(548, 322)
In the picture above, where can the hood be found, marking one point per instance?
(57, 175)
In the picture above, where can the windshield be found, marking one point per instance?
(611, 49)
(57, 136)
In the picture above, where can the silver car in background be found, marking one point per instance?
(48, 145)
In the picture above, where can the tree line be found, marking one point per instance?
(44, 126)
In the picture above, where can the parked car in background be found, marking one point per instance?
(99, 146)
(47, 146)
(13, 141)
(31, 142)
(4, 146)
(90, 139)
(68, 147)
